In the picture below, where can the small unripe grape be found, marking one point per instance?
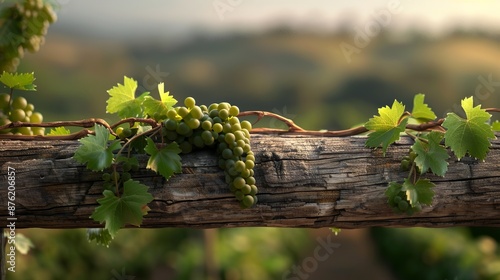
(249, 164)
(189, 102)
(17, 115)
(234, 111)
(227, 154)
(223, 114)
(239, 182)
(246, 189)
(36, 118)
(196, 112)
(19, 103)
(193, 123)
(248, 200)
(246, 125)
(183, 111)
(172, 114)
(217, 127)
(206, 125)
(4, 100)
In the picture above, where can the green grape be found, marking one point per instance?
(4, 121)
(250, 157)
(38, 130)
(170, 124)
(250, 180)
(249, 164)
(248, 200)
(204, 108)
(217, 120)
(196, 112)
(246, 189)
(183, 129)
(19, 103)
(213, 113)
(234, 120)
(403, 205)
(236, 128)
(254, 190)
(213, 106)
(239, 195)
(227, 154)
(230, 164)
(4, 101)
(239, 166)
(106, 176)
(223, 105)
(183, 112)
(405, 165)
(239, 182)
(234, 111)
(246, 148)
(226, 128)
(172, 114)
(245, 173)
(217, 127)
(240, 143)
(25, 131)
(36, 118)
(193, 123)
(246, 125)
(189, 102)
(17, 115)
(206, 125)
(223, 114)
(238, 151)
(207, 137)
(229, 138)
(397, 199)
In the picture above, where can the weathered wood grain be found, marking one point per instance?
(304, 181)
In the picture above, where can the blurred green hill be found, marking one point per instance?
(301, 75)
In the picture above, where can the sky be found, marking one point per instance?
(127, 18)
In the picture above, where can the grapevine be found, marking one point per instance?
(163, 131)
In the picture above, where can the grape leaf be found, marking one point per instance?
(471, 134)
(165, 161)
(100, 235)
(431, 154)
(122, 99)
(116, 212)
(387, 126)
(421, 111)
(59, 131)
(160, 107)
(419, 193)
(495, 126)
(95, 150)
(21, 81)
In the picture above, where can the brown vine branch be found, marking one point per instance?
(73, 136)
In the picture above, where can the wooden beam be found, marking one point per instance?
(303, 181)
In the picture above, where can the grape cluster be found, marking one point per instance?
(19, 110)
(400, 204)
(113, 178)
(23, 26)
(217, 126)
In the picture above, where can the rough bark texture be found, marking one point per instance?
(304, 181)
